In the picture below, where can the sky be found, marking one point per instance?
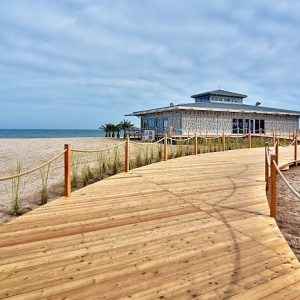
(78, 64)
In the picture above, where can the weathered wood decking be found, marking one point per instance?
(191, 228)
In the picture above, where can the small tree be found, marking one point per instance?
(125, 125)
(105, 129)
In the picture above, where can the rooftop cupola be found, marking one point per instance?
(219, 96)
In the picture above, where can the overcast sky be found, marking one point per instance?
(82, 63)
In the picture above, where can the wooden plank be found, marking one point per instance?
(194, 227)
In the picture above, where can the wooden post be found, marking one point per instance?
(165, 147)
(196, 144)
(127, 154)
(273, 187)
(274, 138)
(277, 151)
(250, 140)
(266, 167)
(296, 149)
(67, 189)
(223, 142)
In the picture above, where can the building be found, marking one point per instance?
(217, 112)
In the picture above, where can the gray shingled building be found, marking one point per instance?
(216, 112)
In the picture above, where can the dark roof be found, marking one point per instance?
(217, 106)
(220, 93)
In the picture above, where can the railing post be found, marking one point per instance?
(250, 140)
(223, 142)
(165, 147)
(266, 167)
(196, 144)
(296, 149)
(67, 156)
(127, 154)
(277, 150)
(274, 138)
(273, 187)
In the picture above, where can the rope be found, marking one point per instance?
(138, 143)
(97, 150)
(291, 144)
(35, 169)
(212, 138)
(239, 136)
(286, 181)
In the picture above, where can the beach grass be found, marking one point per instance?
(15, 199)
(44, 181)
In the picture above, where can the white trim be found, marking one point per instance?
(163, 109)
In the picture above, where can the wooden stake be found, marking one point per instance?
(67, 156)
(223, 142)
(277, 150)
(273, 187)
(266, 167)
(296, 149)
(165, 147)
(250, 140)
(127, 142)
(196, 144)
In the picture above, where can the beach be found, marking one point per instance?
(32, 153)
(288, 209)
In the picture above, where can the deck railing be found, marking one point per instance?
(272, 170)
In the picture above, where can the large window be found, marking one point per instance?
(244, 126)
(159, 124)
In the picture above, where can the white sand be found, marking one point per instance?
(32, 153)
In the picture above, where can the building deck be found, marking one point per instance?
(195, 227)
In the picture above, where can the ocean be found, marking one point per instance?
(49, 133)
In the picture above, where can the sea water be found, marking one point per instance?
(49, 133)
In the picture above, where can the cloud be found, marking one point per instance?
(105, 58)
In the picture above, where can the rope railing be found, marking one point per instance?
(286, 181)
(210, 138)
(272, 169)
(33, 170)
(146, 143)
(97, 150)
(217, 143)
(291, 144)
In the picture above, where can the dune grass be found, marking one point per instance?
(15, 193)
(44, 181)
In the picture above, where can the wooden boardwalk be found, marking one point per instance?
(190, 228)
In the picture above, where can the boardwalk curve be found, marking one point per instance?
(196, 227)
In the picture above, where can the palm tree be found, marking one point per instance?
(111, 129)
(105, 129)
(125, 125)
(117, 129)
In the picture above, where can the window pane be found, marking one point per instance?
(234, 126)
(256, 126)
